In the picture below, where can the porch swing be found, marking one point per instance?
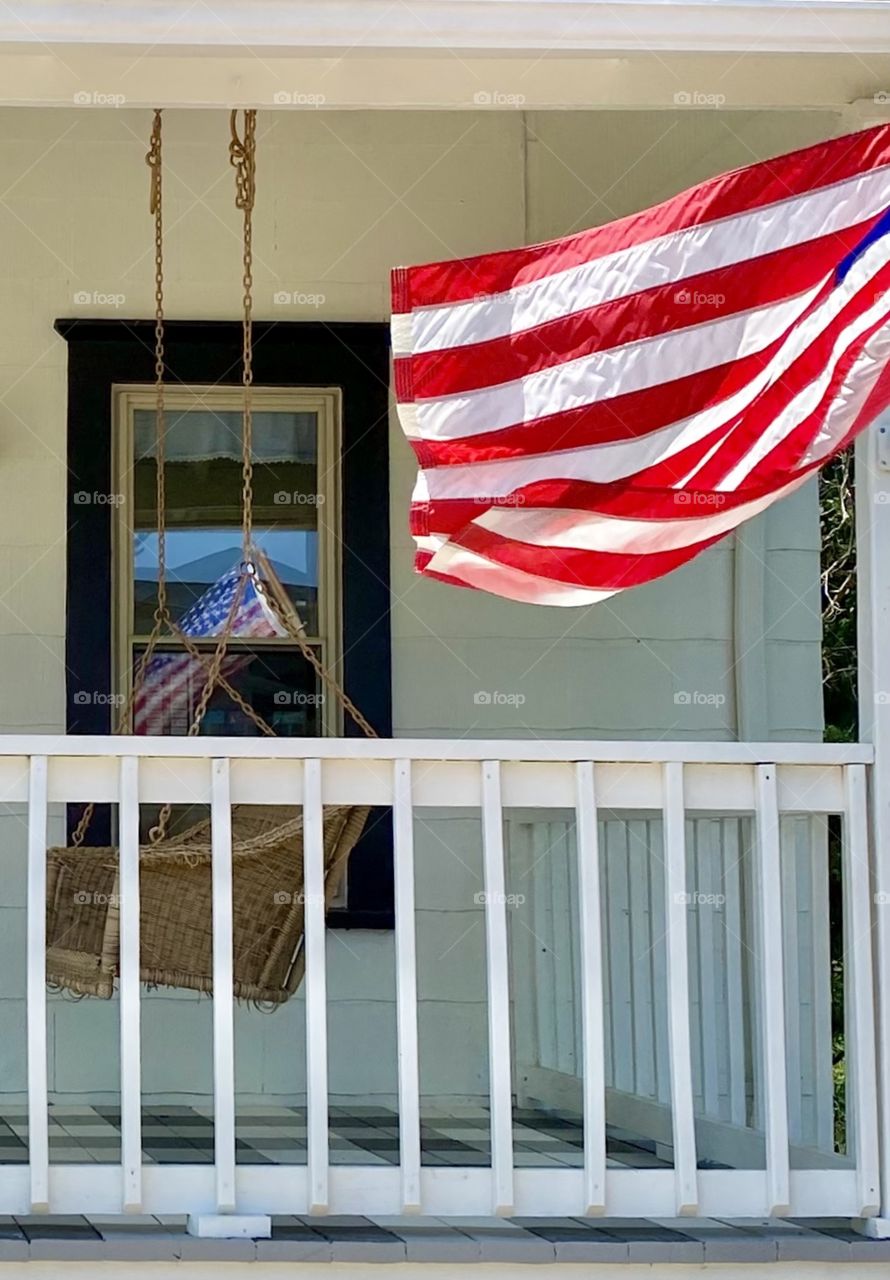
(176, 897)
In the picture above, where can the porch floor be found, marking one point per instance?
(688, 1241)
(454, 1135)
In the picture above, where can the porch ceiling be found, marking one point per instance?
(448, 54)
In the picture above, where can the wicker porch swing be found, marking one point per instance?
(82, 916)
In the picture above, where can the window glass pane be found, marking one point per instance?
(278, 683)
(203, 500)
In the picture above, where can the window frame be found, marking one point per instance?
(327, 402)
(353, 356)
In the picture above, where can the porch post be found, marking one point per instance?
(873, 622)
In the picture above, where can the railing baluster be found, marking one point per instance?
(592, 1029)
(860, 989)
(406, 988)
(316, 993)
(38, 1119)
(130, 1028)
(771, 967)
(223, 997)
(685, 1176)
(497, 965)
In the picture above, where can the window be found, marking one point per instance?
(340, 373)
(296, 453)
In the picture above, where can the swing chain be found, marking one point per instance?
(242, 156)
(161, 616)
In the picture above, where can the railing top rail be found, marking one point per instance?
(532, 750)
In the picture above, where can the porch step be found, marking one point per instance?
(334, 1239)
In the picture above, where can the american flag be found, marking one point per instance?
(174, 682)
(590, 413)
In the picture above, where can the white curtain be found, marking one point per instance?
(199, 436)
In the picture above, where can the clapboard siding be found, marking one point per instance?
(725, 1019)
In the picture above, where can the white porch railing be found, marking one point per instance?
(675, 782)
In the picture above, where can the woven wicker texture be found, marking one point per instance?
(176, 900)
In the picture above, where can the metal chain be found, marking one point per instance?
(153, 159)
(242, 155)
(268, 586)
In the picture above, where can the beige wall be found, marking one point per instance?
(342, 198)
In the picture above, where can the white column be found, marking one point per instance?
(130, 1029)
(592, 1027)
(223, 999)
(317, 1156)
(862, 1088)
(226, 1222)
(873, 606)
(676, 898)
(498, 969)
(38, 1120)
(406, 987)
(771, 970)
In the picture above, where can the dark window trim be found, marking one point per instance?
(354, 357)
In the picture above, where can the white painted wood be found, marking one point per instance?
(795, 1016)
(441, 749)
(223, 999)
(772, 999)
(230, 1226)
(592, 1024)
(532, 784)
(776, 26)
(38, 1119)
(498, 973)
(169, 1189)
(685, 1178)
(316, 989)
(130, 1021)
(406, 988)
(862, 1116)
(873, 669)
